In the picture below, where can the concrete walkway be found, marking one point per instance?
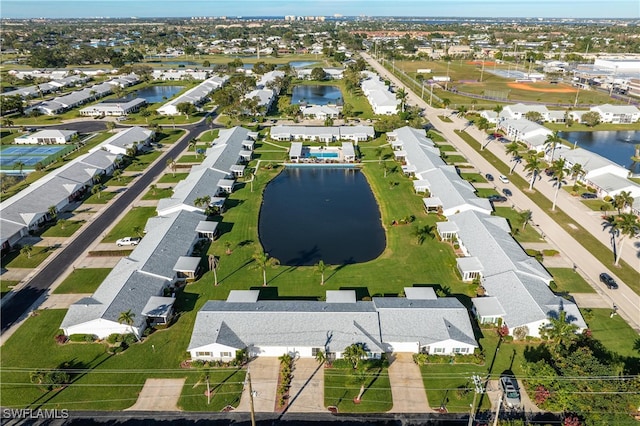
(264, 381)
(159, 395)
(590, 266)
(61, 301)
(591, 300)
(306, 394)
(407, 387)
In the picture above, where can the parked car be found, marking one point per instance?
(507, 192)
(511, 391)
(489, 177)
(608, 281)
(128, 241)
(497, 198)
(588, 195)
(503, 179)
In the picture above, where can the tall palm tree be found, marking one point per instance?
(622, 200)
(560, 332)
(321, 268)
(498, 109)
(20, 165)
(622, 226)
(525, 216)
(262, 262)
(361, 377)
(576, 172)
(7, 122)
(560, 171)
(26, 250)
(552, 142)
(153, 188)
(321, 357)
(96, 190)
(513, 149)
(533, 166)
(171, 164)
(128, 317)
(52, 211)
(117, 175)
(401, 95)
(482, 123)
(192, 144)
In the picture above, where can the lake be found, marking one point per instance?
(155, 93)
(320, 213)
(316, 94)
(617, 146)
(301, 64)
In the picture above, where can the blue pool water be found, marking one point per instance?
(323, 154)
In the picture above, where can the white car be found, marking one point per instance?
(503, 179)
(128, 241)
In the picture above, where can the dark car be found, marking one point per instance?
(608, 281)
(588, 195)
(548, 172)
(489, 177)
(507, 192)
(497, 198)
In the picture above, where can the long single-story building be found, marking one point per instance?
(47, 137)
(325, 134)
(114, 109)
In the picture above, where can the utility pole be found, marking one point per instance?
(253, 414)
(477, 382)
(495, 421)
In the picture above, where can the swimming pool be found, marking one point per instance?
(323, 154)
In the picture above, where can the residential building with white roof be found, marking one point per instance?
(128, 138)
(114, 109)
(46, 137)
(528, 132)
(617, 114)
(196, 95)
(382, 101)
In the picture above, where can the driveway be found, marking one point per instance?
(264, 381)
(306, 394)
(407, 387)
(494, 394)
(159, 395)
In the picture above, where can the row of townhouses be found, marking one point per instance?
(616, 114)
(196, 96)
(382, 100)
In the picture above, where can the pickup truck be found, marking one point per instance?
(128, 241)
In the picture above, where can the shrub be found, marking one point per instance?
(83, 338)
(113, 338)
(520, 333)
(197, 363)
(61, 339)
(553, 286)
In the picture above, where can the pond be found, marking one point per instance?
(320, 213)
(316, 94)
(301, 64)
(155, 93)
(617, 146)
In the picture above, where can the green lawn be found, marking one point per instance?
(158, 193)
(485, 192)
(340, 388)
(136, 217)
(452, 159)
(6, 286)
(614, 333)
(142, 161)
(120, 180)
(70, 227)
(570, 281)
(446, 148)
(209, 135)
(168, 136)
(473, 177)
(190, 158)
(172, 177)
(597, 205)
(84, 280)
(529, 234)
(102, 198)
(19, 260)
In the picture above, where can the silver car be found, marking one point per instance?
(511, 391)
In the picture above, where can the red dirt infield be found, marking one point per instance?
(486, 63)
(531, 88)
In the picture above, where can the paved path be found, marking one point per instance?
(591, 300)
(407, 386)
(306, 394)
(61, 301)
(264, 381)
(627, 301)
(159, 395)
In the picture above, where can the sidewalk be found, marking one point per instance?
(627, 301)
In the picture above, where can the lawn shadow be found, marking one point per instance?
(224, 228)
(245, 264)
(185, 302)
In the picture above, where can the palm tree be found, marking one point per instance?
(552, 141)
(354, 353)
(7, 122)
(378, 153)
(127, 317)
(622, 226)
(209, 121)
(249, 177)
(63, 223)
(320, 268)
(462, 110)
(361, 377)
(560, 171)
(192, 144)
(482, 123)
(576, 172)
(401, 95)
(52, 211)
(533, 166)
(560, 332)
(262, 262)
(446, 102)
(117, 175)
(20, 165)
(422, 232)
(498, 109)
(26, 250)
(525, 216)
(153, 188)
(622, 200)
(513, 149)
(321, 357)
(171, 164)
(137, 230)
(96, 189)
(227, 247)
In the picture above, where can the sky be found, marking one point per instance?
(420, 8)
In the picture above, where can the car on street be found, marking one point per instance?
(588, 195)
(489, 177)
(497, 198)
(608, 281)
(507, 192)
(503, 179)
(511, 391)
(128, 241)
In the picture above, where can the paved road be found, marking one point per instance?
(627, 301)
(20, 302)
